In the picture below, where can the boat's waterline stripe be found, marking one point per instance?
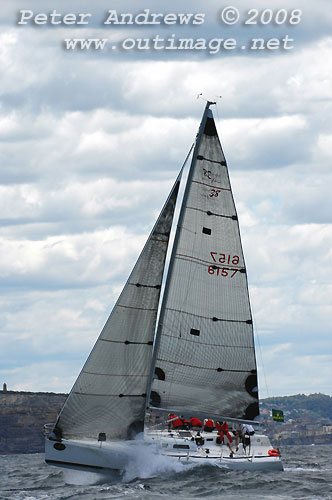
(60, 462)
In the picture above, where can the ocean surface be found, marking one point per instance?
(307, 475)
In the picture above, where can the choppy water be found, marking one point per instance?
(307, 476)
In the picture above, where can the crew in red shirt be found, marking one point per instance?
(177, 423)
(208, 425)
(224, 431)
(195, 423)
(225, 436)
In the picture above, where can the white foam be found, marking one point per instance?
(306, 469)
(146, 461)
(85, 478)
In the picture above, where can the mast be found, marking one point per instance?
(175, 245)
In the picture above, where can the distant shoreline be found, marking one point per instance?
(24, 413)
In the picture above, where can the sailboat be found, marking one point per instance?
(186, 352)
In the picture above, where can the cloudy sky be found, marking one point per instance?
(90, 144)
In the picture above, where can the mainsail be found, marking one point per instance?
(109, 395)
(204, 360)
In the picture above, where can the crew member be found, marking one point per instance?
(208, 425)
(237, 432)
(225, 436)
(247, 432)
(196, 423)
(175, 421)
(185, 423)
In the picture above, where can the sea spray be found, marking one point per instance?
(86, 478)
(143, 460)
(146, 461)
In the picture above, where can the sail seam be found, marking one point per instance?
(181, 255)
(156, 239)
(211, 186)
(138, 308)
(127, 342)
(206, 317)
(206, 343)
(222, 163)
(115, 375)
(139, 285)
(203, 367)
(233, 217)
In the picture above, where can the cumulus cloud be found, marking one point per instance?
(90, 145)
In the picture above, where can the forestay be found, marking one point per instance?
(109, 394)
(204, 359)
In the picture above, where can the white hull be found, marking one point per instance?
(117, 455)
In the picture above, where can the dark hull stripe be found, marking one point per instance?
(59, 462)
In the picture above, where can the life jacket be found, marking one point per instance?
(208, 425)
(224, 430)
(195, 422)
(218, 426)
(177, 422)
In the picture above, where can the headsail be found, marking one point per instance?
(204, 358)
(109, 394)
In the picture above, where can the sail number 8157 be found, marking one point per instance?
(222, 271)
(223, 258)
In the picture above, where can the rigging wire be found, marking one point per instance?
(218, 116)
(257, 338)
(217, 113)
